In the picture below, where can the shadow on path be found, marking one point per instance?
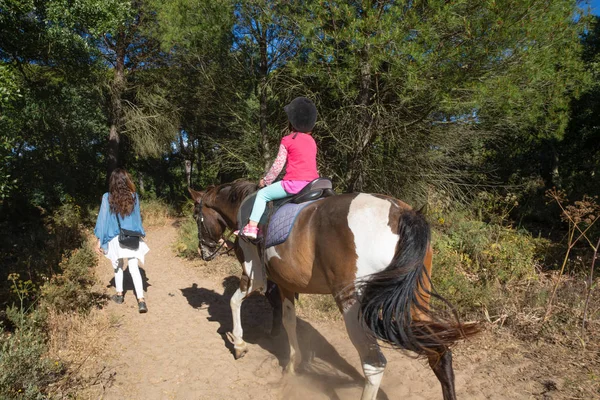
(128, 282)
(322, 362)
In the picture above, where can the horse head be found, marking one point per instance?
(211, 226)
(216, 209)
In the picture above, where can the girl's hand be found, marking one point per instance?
(261, 183)
(99, 248)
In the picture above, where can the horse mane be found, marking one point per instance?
(235, 192)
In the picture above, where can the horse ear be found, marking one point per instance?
(195, 194)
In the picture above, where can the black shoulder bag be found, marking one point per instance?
(128, 239)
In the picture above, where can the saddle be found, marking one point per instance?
(317, 189)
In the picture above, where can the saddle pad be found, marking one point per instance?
(282, 222)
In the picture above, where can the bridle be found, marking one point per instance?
(203, 242)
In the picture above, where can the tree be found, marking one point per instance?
(579, 150)
(412, 94)
(51, 116)
(267, 36)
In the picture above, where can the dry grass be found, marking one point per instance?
(219, 268)
(80, 342)
(156, 213)
(320, 307)
(313, 306)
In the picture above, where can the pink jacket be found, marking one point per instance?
(299, 150)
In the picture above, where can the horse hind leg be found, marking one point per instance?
(442, 367)
(441, 363)
(372, 359)
(289, 323)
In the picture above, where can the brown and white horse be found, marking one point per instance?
(371, 252)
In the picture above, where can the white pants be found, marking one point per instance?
(132, 266)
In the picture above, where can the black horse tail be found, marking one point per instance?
(391, 299)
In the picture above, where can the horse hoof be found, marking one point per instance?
(289, 369)
(239, 352)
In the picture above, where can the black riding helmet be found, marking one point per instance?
(302, 114)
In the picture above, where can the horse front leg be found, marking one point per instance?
(253, 279)
(236, 337)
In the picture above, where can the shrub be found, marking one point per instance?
(155, 212)
(34, 246)
(186, 244)
(25, 370)
(70, 290)
(476, 263)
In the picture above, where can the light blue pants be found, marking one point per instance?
(272, 192)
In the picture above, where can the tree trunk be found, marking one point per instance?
(187, 155)
(188, 172)
(140, 183)
(116, 107)
(354, 176)
(198, 157)
(556, 181)
(263, 71)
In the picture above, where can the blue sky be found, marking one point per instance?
(595, 4)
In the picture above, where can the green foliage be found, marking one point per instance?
(414, 98)
(475, 262)
(192, 25)
(187, 238)
(25, 370)
(414, 93)
(53, 131)
(152, 122)
(579, 151)
(70, 289)
(47, 238)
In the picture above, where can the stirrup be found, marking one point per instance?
(249, 232)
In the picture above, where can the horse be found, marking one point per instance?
(372, 252)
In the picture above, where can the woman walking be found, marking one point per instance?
(120, 209)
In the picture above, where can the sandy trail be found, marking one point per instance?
(178, 349)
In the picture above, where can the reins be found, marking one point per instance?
(203, 242)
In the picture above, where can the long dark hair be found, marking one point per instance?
(120, 191)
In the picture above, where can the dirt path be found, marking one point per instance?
(178, 350)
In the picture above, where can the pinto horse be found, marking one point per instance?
(371, 252)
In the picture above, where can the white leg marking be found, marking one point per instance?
(253, 267)
(374, 375)
(272, 252)
(236, 306)
(373, 361)
(374, 240)
(289, 323)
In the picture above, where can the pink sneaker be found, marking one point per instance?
(251, 232)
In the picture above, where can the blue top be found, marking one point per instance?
(106, 224)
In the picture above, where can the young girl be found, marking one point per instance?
(299, 150)
(121, 202)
